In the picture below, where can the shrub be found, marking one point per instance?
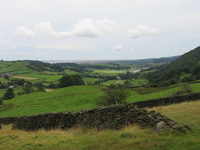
(28, 89)
(9, 94)
(187, 79)
(113, 96)
(1, 101)
(40, 89)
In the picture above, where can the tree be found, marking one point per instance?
(127, 83)
(6, 77)
(9, 94)
(40, 89)
(28, 89)
(113, 96)
(1, 101)
(187, 79)
(69, 80)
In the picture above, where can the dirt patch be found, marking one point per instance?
(23, 77)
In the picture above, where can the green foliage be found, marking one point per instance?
(69, 80)
(41, 66)
(40, 89)
(6, 77)
(167, 74)
(187, 79)
(1, 101)
(113, 96)
(27, 89)
(9, 94)
(127, 83)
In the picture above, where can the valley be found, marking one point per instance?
(39, 87)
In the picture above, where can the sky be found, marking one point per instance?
(97, 29)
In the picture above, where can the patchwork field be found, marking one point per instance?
(24, 77)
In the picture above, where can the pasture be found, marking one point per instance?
(73, 98)
(130, 137)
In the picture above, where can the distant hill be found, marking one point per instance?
(162, 60)
(184, 69)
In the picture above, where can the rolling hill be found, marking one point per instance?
(186, 68)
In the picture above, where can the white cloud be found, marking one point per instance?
(25, 32)
(84, 28)
(120, 48)
(143, 30)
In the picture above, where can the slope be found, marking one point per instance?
(171, 73)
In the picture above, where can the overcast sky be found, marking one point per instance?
(97, 29)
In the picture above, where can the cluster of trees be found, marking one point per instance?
(75, 67)
(129, 75)
(41, 66)
(15, 83)
(27, 89)
(69, 80)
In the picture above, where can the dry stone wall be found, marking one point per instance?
(167, 100)
(112, 117)
(8, 120)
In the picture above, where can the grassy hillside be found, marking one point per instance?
(75, 98)
(186, 68)
(130, 137)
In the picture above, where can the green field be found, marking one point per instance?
(67, 99)
(73, 98)
(109, 71)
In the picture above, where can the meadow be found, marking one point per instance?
(130, 137)
(75, 98)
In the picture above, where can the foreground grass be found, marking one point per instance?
(130, 137)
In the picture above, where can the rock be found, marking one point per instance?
(180, 128)
(160, 126)
(187, 127)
